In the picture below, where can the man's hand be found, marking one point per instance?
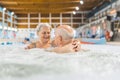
(76, 45)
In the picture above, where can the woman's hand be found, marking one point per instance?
(28, 47)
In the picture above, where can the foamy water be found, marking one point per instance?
(101, 62)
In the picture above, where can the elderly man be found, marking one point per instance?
(64, 41)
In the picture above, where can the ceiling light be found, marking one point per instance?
(81, 2)
(12, 13)
(4, 9)
(77, 8)
(74, 12)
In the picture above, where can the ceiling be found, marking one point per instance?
(49, 6)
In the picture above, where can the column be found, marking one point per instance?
(60, 18)
(39, 15)
(71, 20)
(50, 18)
(28, 21)
(3, 18)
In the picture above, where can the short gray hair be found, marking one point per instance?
(40, 25)
(64, 33)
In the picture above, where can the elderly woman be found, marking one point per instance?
(43, 32)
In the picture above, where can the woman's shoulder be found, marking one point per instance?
(38, 43)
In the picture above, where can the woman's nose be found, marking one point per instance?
(47, 34)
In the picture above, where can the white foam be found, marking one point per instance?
(102, 62)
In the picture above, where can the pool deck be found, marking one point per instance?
(114, 43)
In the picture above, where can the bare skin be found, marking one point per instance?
(73, 46)
(61, 45)
(44, 39)
(65, 46)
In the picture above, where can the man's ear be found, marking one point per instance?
(61, 39)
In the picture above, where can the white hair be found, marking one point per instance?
(40, 25)
(64, 33)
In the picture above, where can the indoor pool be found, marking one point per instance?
(101, 62)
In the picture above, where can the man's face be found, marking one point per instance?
(58, 38)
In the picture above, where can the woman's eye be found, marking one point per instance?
(48, 32)
(44, 32)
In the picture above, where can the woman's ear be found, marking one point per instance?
(37, 33)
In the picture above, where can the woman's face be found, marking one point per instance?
(44, 34)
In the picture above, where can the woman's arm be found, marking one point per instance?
(30, 46)
(75, 46)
